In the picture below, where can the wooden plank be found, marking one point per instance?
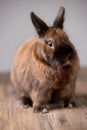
(13, 118)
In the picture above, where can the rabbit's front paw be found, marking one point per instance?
(70, 104)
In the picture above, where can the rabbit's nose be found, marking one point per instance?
(67, 63)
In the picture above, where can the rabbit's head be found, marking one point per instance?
(54, 47)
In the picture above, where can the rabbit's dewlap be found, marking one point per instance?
(45, 67)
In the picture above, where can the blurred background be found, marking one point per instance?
(16, 26)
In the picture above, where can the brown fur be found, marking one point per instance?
(37, 73)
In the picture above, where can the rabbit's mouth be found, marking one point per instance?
(58, 65)
(67, 64)
(62, 63)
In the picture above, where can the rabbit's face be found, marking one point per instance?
(55, 48)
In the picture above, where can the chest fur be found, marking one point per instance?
(60, 78)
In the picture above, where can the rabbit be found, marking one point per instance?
(45, 67)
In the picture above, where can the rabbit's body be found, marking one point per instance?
(40, 70)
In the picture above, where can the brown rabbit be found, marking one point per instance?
(45, 67)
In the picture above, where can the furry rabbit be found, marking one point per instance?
(45, 67)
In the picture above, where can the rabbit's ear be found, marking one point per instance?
(58, 22)
(39, 24)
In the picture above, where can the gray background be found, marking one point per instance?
(16, 26)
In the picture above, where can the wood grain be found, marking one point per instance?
(14, 118)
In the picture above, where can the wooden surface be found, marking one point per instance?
(14, 118)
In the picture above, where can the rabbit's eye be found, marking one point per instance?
(50, 44)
